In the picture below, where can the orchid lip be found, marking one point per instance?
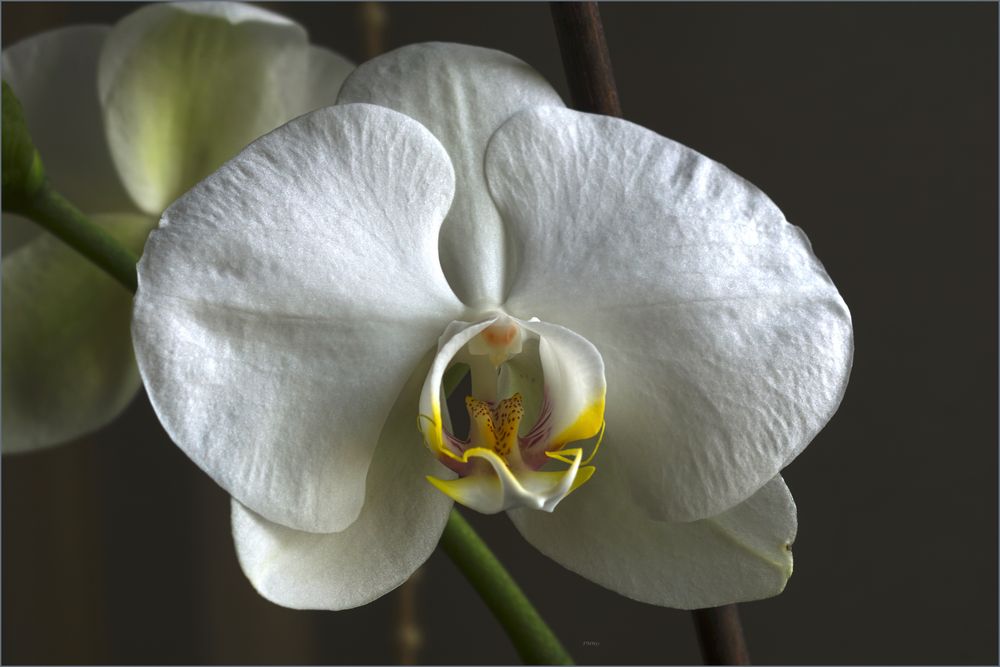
(502, 461)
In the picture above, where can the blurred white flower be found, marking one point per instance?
(127, 118)
(298, 309)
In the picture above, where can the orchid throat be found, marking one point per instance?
(535, 388)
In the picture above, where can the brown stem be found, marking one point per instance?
(592, 88)
(373, 17)
(409, 639)
(585, 57)
(720, 635)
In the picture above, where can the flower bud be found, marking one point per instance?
(23, 173)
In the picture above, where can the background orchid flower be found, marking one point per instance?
(127, 118)
(297, 310)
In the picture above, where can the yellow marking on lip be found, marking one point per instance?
(496, 428)
(434, 436)
(460, 489)
(582, 475)
(559, 454)
(586, 425)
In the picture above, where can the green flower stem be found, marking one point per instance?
(56, 214)
(531, 636)
(533, 639)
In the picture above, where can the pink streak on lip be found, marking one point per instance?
(533, 444)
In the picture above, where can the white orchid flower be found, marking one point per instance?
(127, 118)
(298, 309)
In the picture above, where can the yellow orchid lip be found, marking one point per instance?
(499, 464)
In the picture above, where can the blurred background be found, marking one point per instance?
(874, 128)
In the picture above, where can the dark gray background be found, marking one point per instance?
(874, 127)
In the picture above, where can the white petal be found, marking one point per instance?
(573, 379)
(461, 94)
(54, 75)
(429, 421)
(727, 346)
(286, 298)
(186, 86)
(233, 12)
(399, 527)
(68, 367)
(743, 554)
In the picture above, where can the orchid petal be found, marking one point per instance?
(398, 528)
(461, 94)
(430, 421)
(185, 86)
(574, 385)
(54, 75)
(284, 301)
(726, 344)
(68, 366)
(598, 532)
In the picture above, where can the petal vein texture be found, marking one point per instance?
(462, 94)
(285, 299)
(727, 346)
(397, 530)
